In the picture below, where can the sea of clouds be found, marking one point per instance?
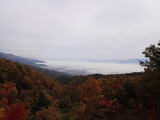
(84, 68)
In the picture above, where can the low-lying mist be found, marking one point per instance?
(84, 68)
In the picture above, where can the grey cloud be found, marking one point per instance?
(85, 29)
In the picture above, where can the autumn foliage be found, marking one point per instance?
(26, 94)
(15, 112)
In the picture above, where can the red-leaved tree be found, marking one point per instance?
(15, 112)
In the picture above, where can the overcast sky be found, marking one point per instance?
(78, 29)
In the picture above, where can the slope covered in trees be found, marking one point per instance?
(36, 64)
(26, 94)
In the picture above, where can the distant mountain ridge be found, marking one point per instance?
(125, 61)
(55, 72)
(32, 62)
(36, 64)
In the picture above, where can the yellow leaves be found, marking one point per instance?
(91, 90)
(13, 91)
(10, 89)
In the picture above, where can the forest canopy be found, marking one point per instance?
(27, 94)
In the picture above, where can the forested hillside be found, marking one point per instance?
(26, 94)
(36, 64)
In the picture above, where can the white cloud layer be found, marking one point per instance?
(83, 68)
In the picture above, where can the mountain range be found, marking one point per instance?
(54, 72)
(36, 64)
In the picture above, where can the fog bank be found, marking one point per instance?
(83, 68)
